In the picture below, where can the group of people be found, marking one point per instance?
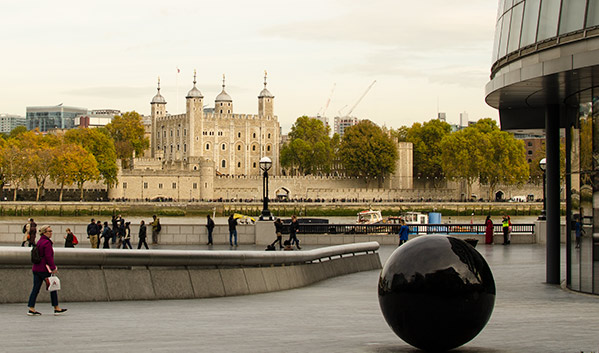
(120, 233)
(506, 225)
(293, 240)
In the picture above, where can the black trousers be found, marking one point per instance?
(506, 232)
(279, 240)
(142, 241)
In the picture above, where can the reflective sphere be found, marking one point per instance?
(436, 292)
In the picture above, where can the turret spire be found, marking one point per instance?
(265, 74)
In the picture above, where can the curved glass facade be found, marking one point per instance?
(522, 23)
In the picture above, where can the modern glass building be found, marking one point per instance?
(52, 117)
(545, 77)
(9, 122)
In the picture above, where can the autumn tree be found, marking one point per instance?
(128, 133)
(13, 160)
(40, 151)
(85, 168)
(308, 149)
(426, 139)
(99, 143)
(367, 152)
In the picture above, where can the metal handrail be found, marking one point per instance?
(119, 257)
(386, 228)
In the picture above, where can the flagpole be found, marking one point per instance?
(177, 83)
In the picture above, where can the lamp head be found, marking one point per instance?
(265, 163)
(543, 164)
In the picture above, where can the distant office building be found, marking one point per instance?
(342, 123)
(96, 118)
(53, 117)
(9, 122)
(324, 119)
(442, 117)
(464, 119)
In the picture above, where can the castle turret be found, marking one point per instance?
(265, 102)
(223, 103)
(194, 105)
(158, 111)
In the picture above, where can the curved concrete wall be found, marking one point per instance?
(110, 275)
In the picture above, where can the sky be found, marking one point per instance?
(425, 56)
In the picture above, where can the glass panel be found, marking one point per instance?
(548, 20)
(513, 43)
(583, 255)
(572, 17)
(593, 13)
(529, 24)
(592, 239)
(507, 5)
(496, 41)
(500, 9)
(505, 31)
(575, 200)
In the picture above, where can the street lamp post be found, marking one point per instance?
(543, 167)
(265, 165)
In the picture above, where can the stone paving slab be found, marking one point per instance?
(336, 315)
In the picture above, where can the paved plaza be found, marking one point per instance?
(336, 315)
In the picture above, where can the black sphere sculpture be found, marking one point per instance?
(436, 292)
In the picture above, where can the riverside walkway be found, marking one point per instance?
(336, 315)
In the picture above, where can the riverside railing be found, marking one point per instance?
(241, 258)
(382, 228)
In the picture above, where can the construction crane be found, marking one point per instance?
(359, 100)
(326, 106)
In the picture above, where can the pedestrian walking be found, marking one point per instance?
(142, 235)
(210, 228)
(26, 232)
(43, 270)
(127, 236)
(293, 229)
(69, 239)
(232, 230)
(106, 235)
(489, 230)
(92, 233)
(156, 228)
(404, 231)
(279, 233)
(99, 230)
(32, 231)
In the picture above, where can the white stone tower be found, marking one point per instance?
(265, 102)
(158, 111)
(194, 120)
(223, 103)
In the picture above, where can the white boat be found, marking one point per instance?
(415, 218)
(369, 217)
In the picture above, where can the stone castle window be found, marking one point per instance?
(223, 146)
(174, 185)
(253, 147)
(238, 164)
(124, 185)
(223, 163)
(239, 147)
(239, 134)
(207, 147)
(195, 185)
(145, 185)
(160, 186)
(268, 148)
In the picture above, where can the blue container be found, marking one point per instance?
(434, 218)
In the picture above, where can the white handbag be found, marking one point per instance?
(52, 283)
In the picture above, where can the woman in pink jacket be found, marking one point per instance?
(44, 270)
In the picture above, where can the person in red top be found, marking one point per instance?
(42, 271)
(489, 230)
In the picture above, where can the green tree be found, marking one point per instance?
(309, 147)
(504, 160)
(367, 152)
(14, 133)
(461, 156)
(128, 133)
(99, 143)
(426, 139)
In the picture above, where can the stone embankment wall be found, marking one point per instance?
(111, 275)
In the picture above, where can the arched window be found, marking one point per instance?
(268, 148)
(223, 146)
(223, 163)
(268, 135)
(239, 147)
(253, 147)
(254, 135)
(238, 164)
(239, 134)
(207, 147)
(254, 166)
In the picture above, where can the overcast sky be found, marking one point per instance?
(426, 56)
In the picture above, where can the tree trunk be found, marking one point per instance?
(61, 190)
(15, 194)
(81, 189)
